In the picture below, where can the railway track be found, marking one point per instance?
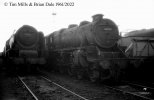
(148, 87)
(139, 90)
(46, 89)
(98, 91)
(30, 91)
(12, 89)
(142, 83)
(83, 98)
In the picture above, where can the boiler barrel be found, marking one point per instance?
(100, 32)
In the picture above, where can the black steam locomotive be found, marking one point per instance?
(89, 49)
(25, 49)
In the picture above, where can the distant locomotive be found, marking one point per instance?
(25, 49)
(89, 49)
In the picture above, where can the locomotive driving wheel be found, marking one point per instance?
(61, 70)
(106, 70)
(94, 74)
(71, 70)
(79, 73)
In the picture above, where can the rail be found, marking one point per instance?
(129, 92)
(28, 88)
(64, 88)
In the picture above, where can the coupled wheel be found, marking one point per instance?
(61, 70)
(79, 74)
(105, 75)
(116, 74)
(94, 75)
(70, 70)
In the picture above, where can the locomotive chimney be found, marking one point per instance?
(72, 25)
(97, 17)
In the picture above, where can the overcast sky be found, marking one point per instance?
(127, 14)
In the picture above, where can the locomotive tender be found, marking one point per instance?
(89, 49)
(25, 49)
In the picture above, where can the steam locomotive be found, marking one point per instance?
(24, 50)
(88, 50)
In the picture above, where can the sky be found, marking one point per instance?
(127, 14)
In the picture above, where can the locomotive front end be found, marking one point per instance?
(27, 37)
(26, 48)
(105, 31)
(105, 55)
